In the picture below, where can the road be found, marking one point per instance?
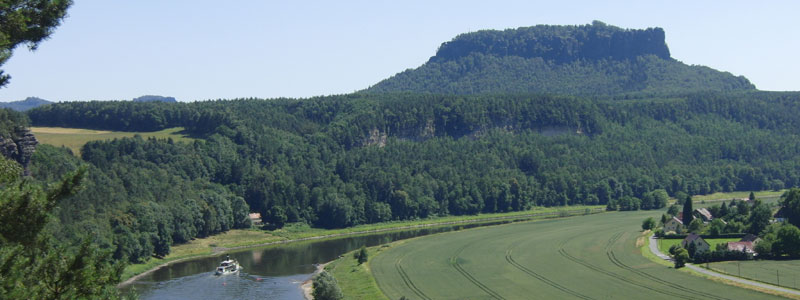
(657, 252)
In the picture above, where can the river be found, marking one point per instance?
(273, 272)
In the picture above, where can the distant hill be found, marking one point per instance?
(23, 105)
(579, 60)
(152, 98)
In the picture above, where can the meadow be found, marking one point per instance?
(587, 257)
(75, 138)
(785, 273)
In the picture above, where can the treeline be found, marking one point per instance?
(129, 116)
(138, 208)
(353, 159)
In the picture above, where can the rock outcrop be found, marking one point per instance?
(20, 148)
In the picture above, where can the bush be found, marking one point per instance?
(681, 257)
(326, 287)
(648, 224)
(673, 249)
(362, 255)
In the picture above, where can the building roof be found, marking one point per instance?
(680, 216)
(693, 237)
(741, 246)
(677, 220)
(705, 213)
(749, 238)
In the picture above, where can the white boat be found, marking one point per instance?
(228, 266)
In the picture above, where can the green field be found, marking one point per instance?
(75, 138)
(737, 195)
(588, 257)
(764, 271)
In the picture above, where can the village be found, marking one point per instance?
(726, 232)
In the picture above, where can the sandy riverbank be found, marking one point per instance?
(308, 285)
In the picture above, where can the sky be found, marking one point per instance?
(199, 50)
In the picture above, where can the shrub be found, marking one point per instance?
(326, 287)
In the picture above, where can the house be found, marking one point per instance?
(673, 225)
(704, 214)
(700, 245)
(781, 215)
(256, 219)
(746, 247)
(751, 238)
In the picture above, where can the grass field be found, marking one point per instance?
(75, 138)
(737, 195)
(587, 257)
(764, 271)
(356, 280)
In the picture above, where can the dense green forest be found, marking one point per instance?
(345, 160)
(590, 60)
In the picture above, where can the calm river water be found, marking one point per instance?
(274, 272)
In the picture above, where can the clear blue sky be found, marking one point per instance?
(196, 49)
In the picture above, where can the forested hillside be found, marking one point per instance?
(353, 159)
(589, 60)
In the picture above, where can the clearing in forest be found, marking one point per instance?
(75, 138)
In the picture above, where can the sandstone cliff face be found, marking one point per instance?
(19, 147)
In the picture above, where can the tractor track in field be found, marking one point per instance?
(563, 252)
(613, 258)
(541, 278)
(616, 261)
(613, 240)
(619, 277)
(456, 265)
(407, 280)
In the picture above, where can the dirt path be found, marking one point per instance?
(657, 252)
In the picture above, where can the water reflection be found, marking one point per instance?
(274, 272)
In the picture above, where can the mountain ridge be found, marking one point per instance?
(584, 60)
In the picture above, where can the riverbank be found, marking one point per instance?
(244, 239)
(308, 285)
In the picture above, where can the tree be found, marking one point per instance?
(695, 226)
(723, 210)
(791, 204)
(788, 241)
(276, 217)
(681, 257)
(717, 227)
(672, 210)
(759, 217)
(362, 255)
(27, 22)
(648, 224)
(34, 264)
(687, 210)
(326, 287)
